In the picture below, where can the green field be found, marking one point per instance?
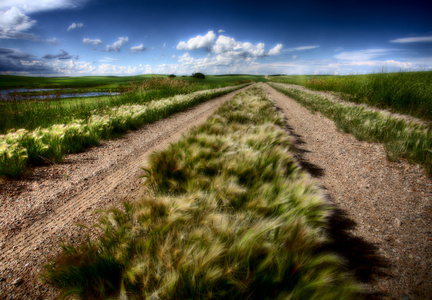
(30, 114)
(402, 92)
(108, 82)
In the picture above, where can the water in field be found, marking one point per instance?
(20, 94)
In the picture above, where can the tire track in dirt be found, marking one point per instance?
(383, 209)
(24, 252)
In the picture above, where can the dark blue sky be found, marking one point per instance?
(113, 37)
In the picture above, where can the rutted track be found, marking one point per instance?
(100, 177)
(383, 209)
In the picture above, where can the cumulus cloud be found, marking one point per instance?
(63, 56)
(12, 22)
(227, 48)
(198, 42)
(362, 55)
(223, 53)
(74, 26)
(40, 5)
(117, 45)
(139, 48)
(221, 31)
(419, 39)
(232, 48)
(276, 50)
(14, 19)
(94, 42)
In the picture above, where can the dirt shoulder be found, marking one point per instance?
(42, 208)
(383, 209)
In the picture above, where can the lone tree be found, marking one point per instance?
(198, 75)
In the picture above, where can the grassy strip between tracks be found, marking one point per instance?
(402, 137)
(227, 214)
(20, 148)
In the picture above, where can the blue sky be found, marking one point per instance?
(113, 37)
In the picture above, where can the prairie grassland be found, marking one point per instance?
(112, 82)
(402, 92)
(403, 138)
(226, 214)
(22, 147)
(33, 113)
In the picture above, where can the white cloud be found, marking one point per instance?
(361, 55)
(294, 57)
(75, 25)
(276, 50)
(32, 6)
(94, 42)
(221, 31)
(232, 48)
(139, 48)
(419, 39)
(14, 17)
(198, 42)
(13, 22)
(117, 45)
(302, 48)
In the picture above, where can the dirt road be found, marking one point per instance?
(43, 207)
(382, 222)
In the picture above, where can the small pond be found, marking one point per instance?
(5, 94)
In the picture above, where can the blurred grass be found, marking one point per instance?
(402, 92)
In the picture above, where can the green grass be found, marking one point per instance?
(227, 215)
(106, 82)
(31, 114)
(21, 148)
(402, 92)
(403, 138)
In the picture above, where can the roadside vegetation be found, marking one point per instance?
(21, 148)
(45, 111)
(403, 92)
(402, 137)
(226, 214)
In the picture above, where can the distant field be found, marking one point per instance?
(106, 82)
(402, 92)
(30, 114)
